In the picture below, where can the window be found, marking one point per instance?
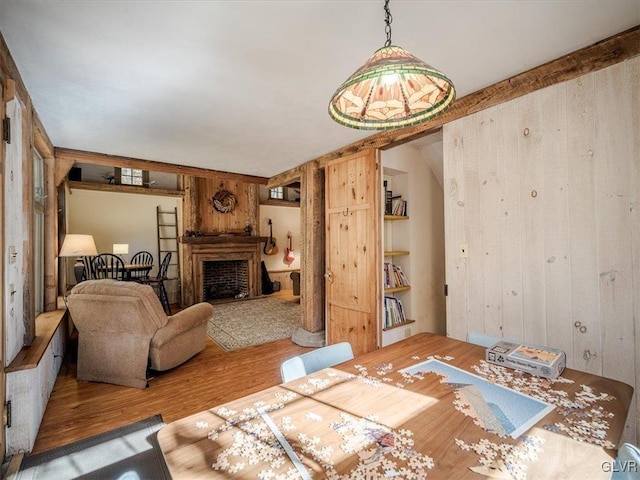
(277, 193)
(132, 176)
(38, 232)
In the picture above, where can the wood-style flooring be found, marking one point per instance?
(78, 410)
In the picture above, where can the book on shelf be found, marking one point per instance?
(388, 194)
(394, 276)
(398, 206)
(393, 312)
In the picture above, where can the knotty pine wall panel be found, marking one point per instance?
(213, 222)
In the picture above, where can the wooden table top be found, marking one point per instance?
(366, 419)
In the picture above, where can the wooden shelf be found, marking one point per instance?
(280, 203)
(396, 253)
(397, 289)
(397, 325)
(47, 324)
(396, 217)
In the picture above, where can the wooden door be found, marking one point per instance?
(353, 250)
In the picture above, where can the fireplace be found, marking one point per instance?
(224, 279)
(223, 267)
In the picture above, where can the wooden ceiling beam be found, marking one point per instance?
(10, 72)
(600, 55)
(285, 178)
(61, 169)
(40, 138)
(103, 187)
(79, 156)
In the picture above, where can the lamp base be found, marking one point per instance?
(78, 270)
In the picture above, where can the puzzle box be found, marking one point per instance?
(537, 360)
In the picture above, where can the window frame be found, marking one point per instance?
(277, 193)
(38, 232)
(122, 173)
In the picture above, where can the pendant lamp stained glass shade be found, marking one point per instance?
(392, 89)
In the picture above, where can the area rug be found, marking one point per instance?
(126, 453)
(253, 322)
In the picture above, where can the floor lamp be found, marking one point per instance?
(77, 245)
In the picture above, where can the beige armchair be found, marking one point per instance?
(122, 328)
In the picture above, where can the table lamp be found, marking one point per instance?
(78, 245)
(120, 248)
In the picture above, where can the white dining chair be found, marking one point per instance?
(482, 339)
(626, 463)
(315, 360)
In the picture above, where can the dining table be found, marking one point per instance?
(130, 268)
(428, 406)
(126, 271)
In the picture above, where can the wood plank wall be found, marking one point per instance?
(246, 210)
(543, 191)
(198, 214)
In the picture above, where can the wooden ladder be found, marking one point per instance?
(167, 223)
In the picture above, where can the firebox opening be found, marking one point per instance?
(224, 279)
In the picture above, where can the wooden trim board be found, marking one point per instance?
(602, 54)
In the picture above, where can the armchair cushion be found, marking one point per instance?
(184, 335)
(147, 298)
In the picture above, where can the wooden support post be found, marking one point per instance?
(253, 206)
(190, 217)
(312, 262)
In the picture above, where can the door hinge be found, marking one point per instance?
(446, 290)
(6, 414)
(6, 129)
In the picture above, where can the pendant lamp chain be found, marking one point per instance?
(387, 20)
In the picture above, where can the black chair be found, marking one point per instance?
(107, 265)
(88, 272)
(141, 258)
(158, 283)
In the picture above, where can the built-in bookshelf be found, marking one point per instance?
(396, 281)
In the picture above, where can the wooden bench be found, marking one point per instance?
(30, 379)
(47, 324)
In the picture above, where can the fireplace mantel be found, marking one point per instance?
(215, 239)
(233, 248)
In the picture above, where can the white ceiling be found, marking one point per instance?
(243, 86)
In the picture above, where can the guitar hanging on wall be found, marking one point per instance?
(289, 256)
(270, 247)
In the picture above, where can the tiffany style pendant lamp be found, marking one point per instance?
(392, 89)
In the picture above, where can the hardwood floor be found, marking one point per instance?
(78, 410)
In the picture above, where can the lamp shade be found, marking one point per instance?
(77, 245)
(392, 89)
(120, 248)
